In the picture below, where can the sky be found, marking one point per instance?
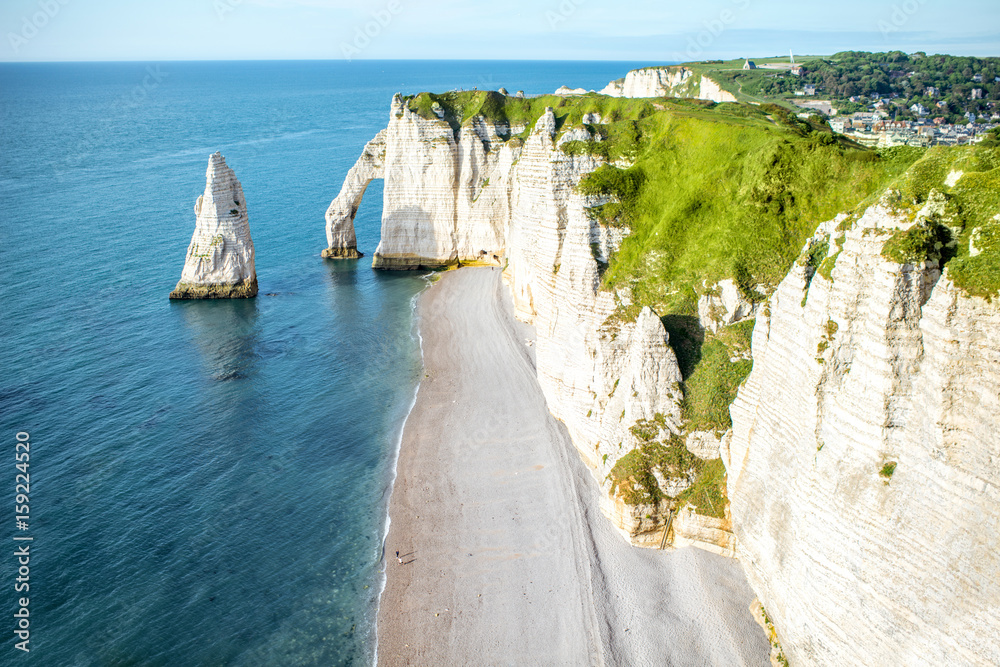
(633, 30)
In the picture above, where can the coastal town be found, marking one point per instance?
(879, 102)
(879, 128)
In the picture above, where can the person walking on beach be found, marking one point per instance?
(398, 559)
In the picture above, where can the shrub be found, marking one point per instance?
(921, 242)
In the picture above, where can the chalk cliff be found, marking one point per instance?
(863, 460)
(864, 467)
(476, 193)
(220, 259)
(667, 81)
(341, 241)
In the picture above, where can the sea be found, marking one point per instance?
(209, 480)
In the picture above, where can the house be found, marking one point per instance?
(809, 89)
(939, 120)
(977, 93)
(932, 91)
(868, 139)
(969, 116)
(919, 109)
(796, 70)
(978, 78)
(942, 105)
(749, 64)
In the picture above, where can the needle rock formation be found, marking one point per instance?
(220, 259)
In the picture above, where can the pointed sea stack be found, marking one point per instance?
(220, 259)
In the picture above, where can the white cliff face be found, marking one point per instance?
(421, 177)
(220, 258)
(864, 467)
(474, 196)
(440, 206)
(712, 92)
(669, 82)
(598, 379)
(648, 82)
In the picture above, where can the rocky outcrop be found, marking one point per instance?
(667, 82)
(723, 304)
(341, 241)
(435, 210)
(864, 467)
(713, 92)
(472, 194)
(220, 259)
(706, 445)
(705, 532)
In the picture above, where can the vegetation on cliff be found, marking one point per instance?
(723, 363)
(726, 191)
(961, 223)
(709, 192)
(941, 83)
(663, 454)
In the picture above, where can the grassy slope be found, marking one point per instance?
(731, 77)
(731, 192)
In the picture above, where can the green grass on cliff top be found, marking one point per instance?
(731, 191)
(715, 191)
(461, 106)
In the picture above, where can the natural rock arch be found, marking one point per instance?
(341, 241)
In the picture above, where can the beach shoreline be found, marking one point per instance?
(505, 556)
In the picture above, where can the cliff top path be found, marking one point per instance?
(506, 559)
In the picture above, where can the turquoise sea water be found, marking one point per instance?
(208, 479)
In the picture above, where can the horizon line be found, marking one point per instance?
(373, 60)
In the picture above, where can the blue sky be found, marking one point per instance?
(654, 31)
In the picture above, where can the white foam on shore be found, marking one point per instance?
(415, 330)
